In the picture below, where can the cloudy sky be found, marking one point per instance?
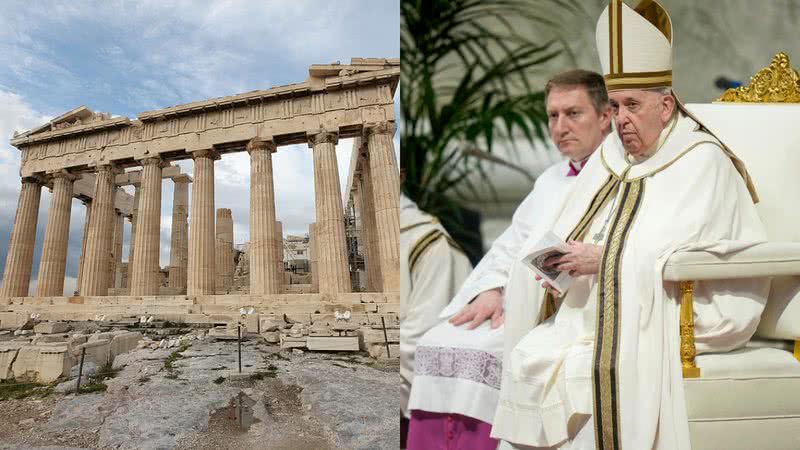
(126, 57)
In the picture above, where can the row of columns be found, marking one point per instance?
(376, 197)
(379, 193)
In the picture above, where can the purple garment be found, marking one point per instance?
(437, 431)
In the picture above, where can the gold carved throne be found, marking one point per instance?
(749, 399)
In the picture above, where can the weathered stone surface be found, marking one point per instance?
(379, 351)
(336, 343)
(19, 259)
(8, 354)
(42, 363)
(51, 327)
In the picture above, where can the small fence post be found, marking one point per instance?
(80, 371)
(385, 337)
(239, 333)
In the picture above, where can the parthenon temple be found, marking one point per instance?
(92, 156)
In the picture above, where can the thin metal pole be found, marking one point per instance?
(80, 371)
(239, 333)
(385, 338)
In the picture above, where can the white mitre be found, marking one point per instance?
(635, 49)
(635, 45)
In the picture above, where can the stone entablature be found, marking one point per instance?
(336, 101)
(285, 115)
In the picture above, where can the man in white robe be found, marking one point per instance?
(604, 371)
(458, 362)
(432, 267)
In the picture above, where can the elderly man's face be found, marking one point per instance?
(640, 115)
(576, 128)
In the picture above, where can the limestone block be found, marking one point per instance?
(292, 342)
(379, 351)
(97, 351)
(124, 342)
(223, 332)
(333, 343)
(8, 353)
(51, 327)
(42, 363)
(55, 362)
(373, 336)
(272, 337)
(389, 308)
(50, 338)
(10, 320)
(75, 342)
(271, 322)
(252, 323)
(391, 320)
(355, 322)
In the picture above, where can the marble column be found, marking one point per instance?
(369, 233)
(223, 250)
(19, 260)
(262, 219)
(116, 260)
(53, 264)
(179, 241)
(385, 179)
(134, 220)
(98, 244)
(278, 261)
(82, 258)
(145, 272)
(201, 274)
(334, 273)
(312, 257)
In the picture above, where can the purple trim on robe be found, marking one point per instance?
(468, 364)
(435, 431)
(576, 167)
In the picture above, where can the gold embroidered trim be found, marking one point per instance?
(602, 196)
(659, 169)
(422, 245)
(605, 376)
(615, 35)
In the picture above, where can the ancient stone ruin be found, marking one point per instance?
(90, 155)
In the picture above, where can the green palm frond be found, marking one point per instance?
(466, 85)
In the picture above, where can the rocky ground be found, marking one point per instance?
(192, 397)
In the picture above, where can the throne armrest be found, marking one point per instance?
(770, 259)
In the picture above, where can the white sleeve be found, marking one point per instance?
(435, 277)
(492, 271)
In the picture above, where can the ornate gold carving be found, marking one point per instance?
(688, 352)
(776, 83)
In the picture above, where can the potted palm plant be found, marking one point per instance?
(465, 85)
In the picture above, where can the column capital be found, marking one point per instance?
(106, 167)
(259, 144)
(205, 153)
(32, 180)
(63, 173)
(321, 137)
(379, 128)
(182, 178)
(152, 161)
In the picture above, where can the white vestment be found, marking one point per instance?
(431, 269)
(611, 352)
(458, 370)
